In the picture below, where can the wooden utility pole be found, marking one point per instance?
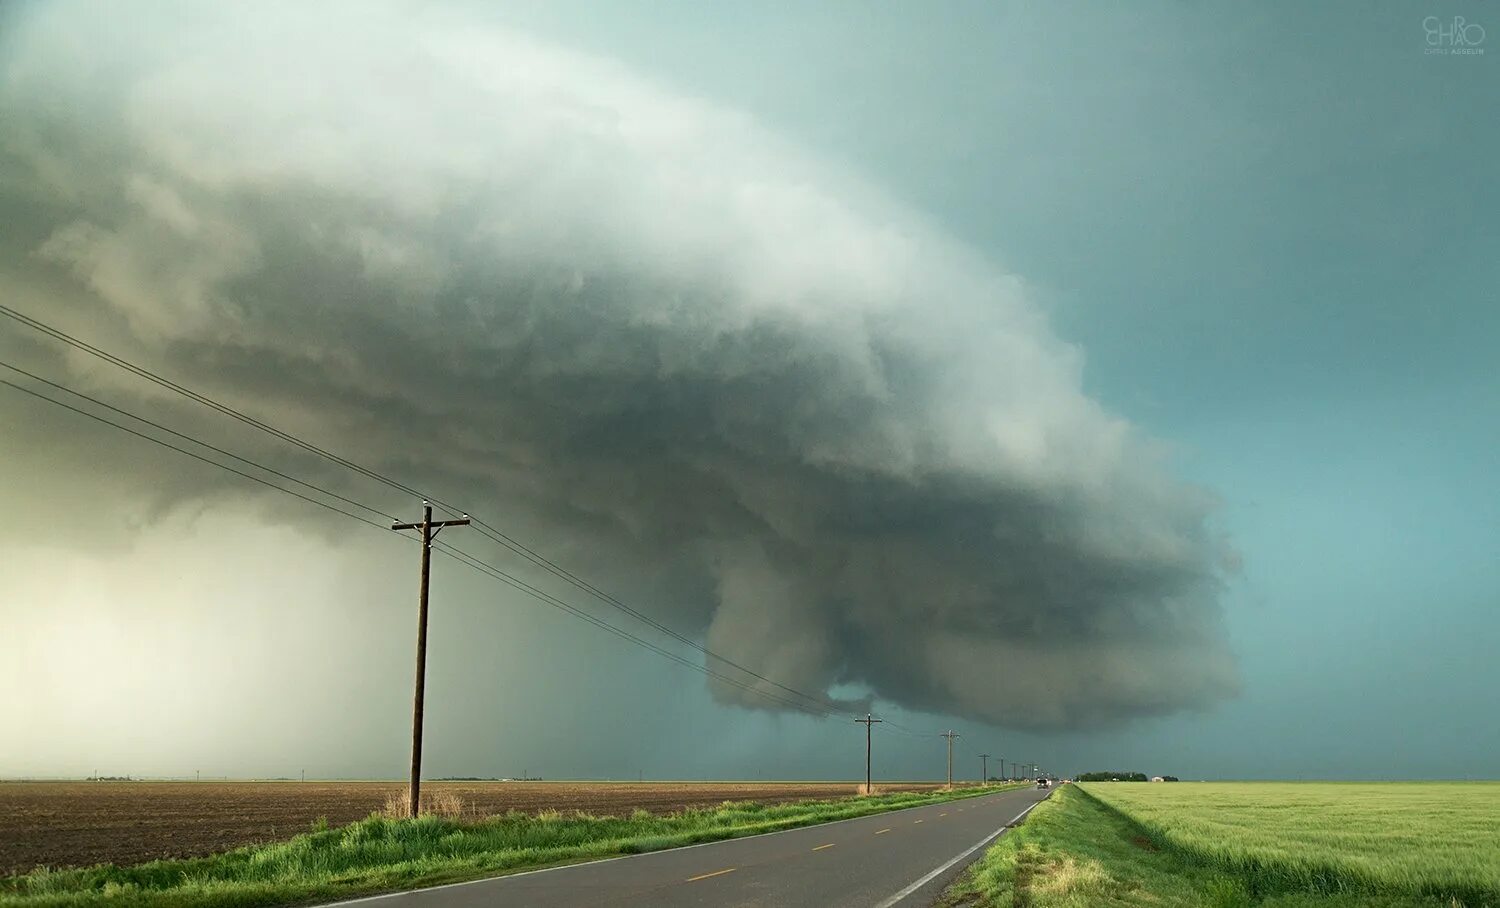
(984, 770)
(869, 722)
(429, 529)
(950, 734)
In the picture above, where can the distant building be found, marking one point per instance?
(1157, 779)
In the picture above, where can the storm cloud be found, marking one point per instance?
(836, 445)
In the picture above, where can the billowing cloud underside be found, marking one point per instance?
(563, 294)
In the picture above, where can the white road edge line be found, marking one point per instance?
(644, 854)
(938, 872)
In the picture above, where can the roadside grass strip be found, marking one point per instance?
(377, 855)
(1299, 845)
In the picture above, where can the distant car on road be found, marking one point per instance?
(1043, 783)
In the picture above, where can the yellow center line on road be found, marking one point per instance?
(704, 876)
(829, 845)
(879, 831)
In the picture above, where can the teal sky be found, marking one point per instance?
(1273, 230)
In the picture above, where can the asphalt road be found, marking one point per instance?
(905, 858)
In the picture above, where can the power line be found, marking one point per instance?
(148, 375)
(156, 425)
(494, 572)
(902, 729)
(490, 532)
(94, 416)
(549, 599)
(563, 573)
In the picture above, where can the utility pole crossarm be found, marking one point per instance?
(436, 524)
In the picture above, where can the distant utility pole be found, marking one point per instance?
(429, 529)
(869, 722)
(984, 771)
(950, 734)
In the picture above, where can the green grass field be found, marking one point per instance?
(1240, 844)
(1432, 838)
(381, 855)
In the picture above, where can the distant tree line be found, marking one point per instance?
(1113, 777)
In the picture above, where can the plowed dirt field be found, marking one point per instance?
(69, 824)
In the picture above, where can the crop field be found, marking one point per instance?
(1234, 845)
(1425, 839)
(68, 824)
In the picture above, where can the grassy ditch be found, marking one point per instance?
(380, 855)
(1079, 849)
